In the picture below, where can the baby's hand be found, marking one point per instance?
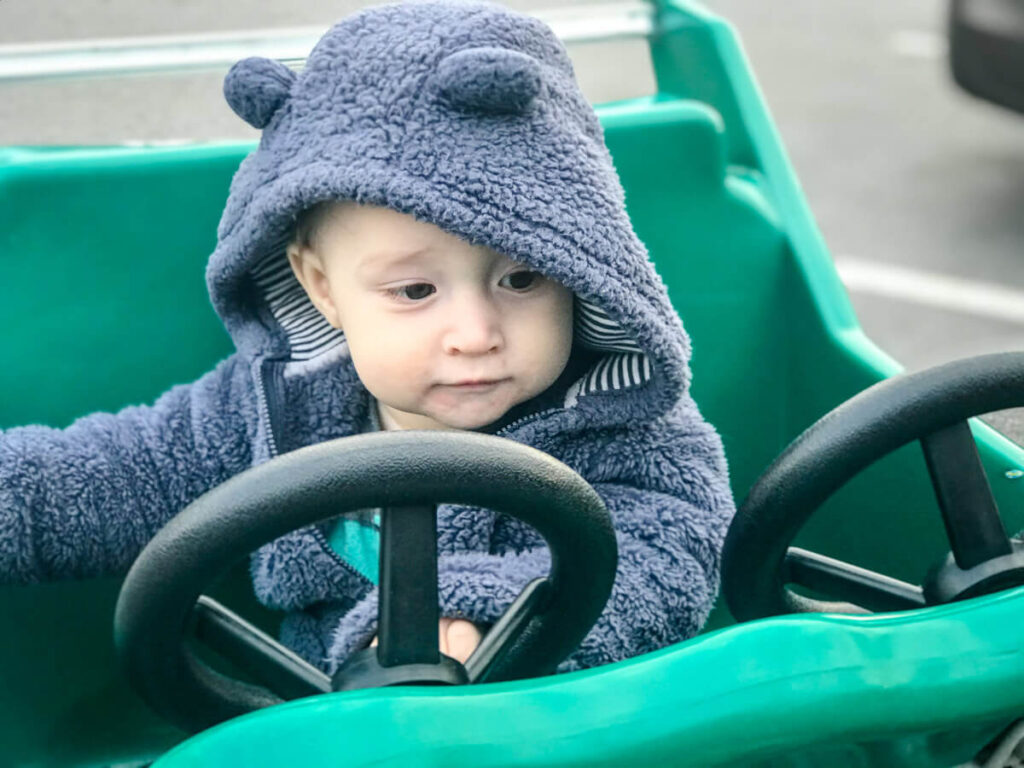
(457, 638)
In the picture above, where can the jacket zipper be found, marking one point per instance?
(320, 537)
(519, 422)
(263, 407)
(267, 387)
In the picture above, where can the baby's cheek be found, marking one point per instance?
(549, 342)
(391, 373)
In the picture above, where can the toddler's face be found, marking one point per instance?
(443, 333)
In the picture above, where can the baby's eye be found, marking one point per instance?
(522, 280)
(414, 292)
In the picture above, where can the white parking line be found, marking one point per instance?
(942, 291)
(918, 44)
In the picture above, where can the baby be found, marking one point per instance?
(443, 334)
(430, 235)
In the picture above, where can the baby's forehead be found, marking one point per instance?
(377, 237)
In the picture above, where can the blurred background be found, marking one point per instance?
(917, 186)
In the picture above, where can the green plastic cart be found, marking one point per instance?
(120, 237)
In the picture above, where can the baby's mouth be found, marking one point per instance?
(475, 385)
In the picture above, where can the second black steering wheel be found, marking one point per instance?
(930, 406)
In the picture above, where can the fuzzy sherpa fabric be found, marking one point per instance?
(466, 115)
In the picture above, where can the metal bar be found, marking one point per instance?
(862, 587)
(217, 51)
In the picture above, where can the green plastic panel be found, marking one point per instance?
(921, 689)
(103, 298)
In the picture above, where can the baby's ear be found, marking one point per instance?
(255, 88)
(309, 271)
(489, 80)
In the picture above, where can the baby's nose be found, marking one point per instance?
(474, 327)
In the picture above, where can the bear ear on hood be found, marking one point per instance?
(489, 80)
(255, 88)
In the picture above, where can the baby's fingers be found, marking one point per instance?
(458, 638)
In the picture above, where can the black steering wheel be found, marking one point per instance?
(406, 473)
(931, 406)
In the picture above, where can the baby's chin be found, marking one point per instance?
(467, 417)
(467, 421)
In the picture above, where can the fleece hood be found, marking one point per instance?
(466, 115)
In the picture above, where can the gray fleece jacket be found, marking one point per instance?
(466, 115)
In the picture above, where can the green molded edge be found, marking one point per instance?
(59, 157)
(740, 694)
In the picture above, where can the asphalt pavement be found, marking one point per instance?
(900, 168)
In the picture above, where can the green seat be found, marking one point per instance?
(103, 301)
(103, 304)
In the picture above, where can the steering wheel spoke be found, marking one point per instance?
(489, 655)
(850, 583)
(281, 670)
(969, 511)
(408, 649)
(408, 587)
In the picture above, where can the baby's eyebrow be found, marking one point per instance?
(375, 263)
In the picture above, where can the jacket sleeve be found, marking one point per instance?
(83, 501)
(668, 494)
